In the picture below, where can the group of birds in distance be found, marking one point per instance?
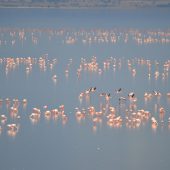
(11, 36)
(130, 116)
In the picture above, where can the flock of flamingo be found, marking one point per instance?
(11, 36)
(111, 63)
(130, 116)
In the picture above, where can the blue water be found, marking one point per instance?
(84, 18)
(49, 144)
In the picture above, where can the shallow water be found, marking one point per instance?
(66, 143)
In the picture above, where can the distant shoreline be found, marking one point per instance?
(68, 7)
(85, 4)
(86, 8)
(77, 8)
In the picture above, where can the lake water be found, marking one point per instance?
(53, 57)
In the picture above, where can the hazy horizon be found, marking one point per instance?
(85, 3)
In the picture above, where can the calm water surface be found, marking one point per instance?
(63, 39)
